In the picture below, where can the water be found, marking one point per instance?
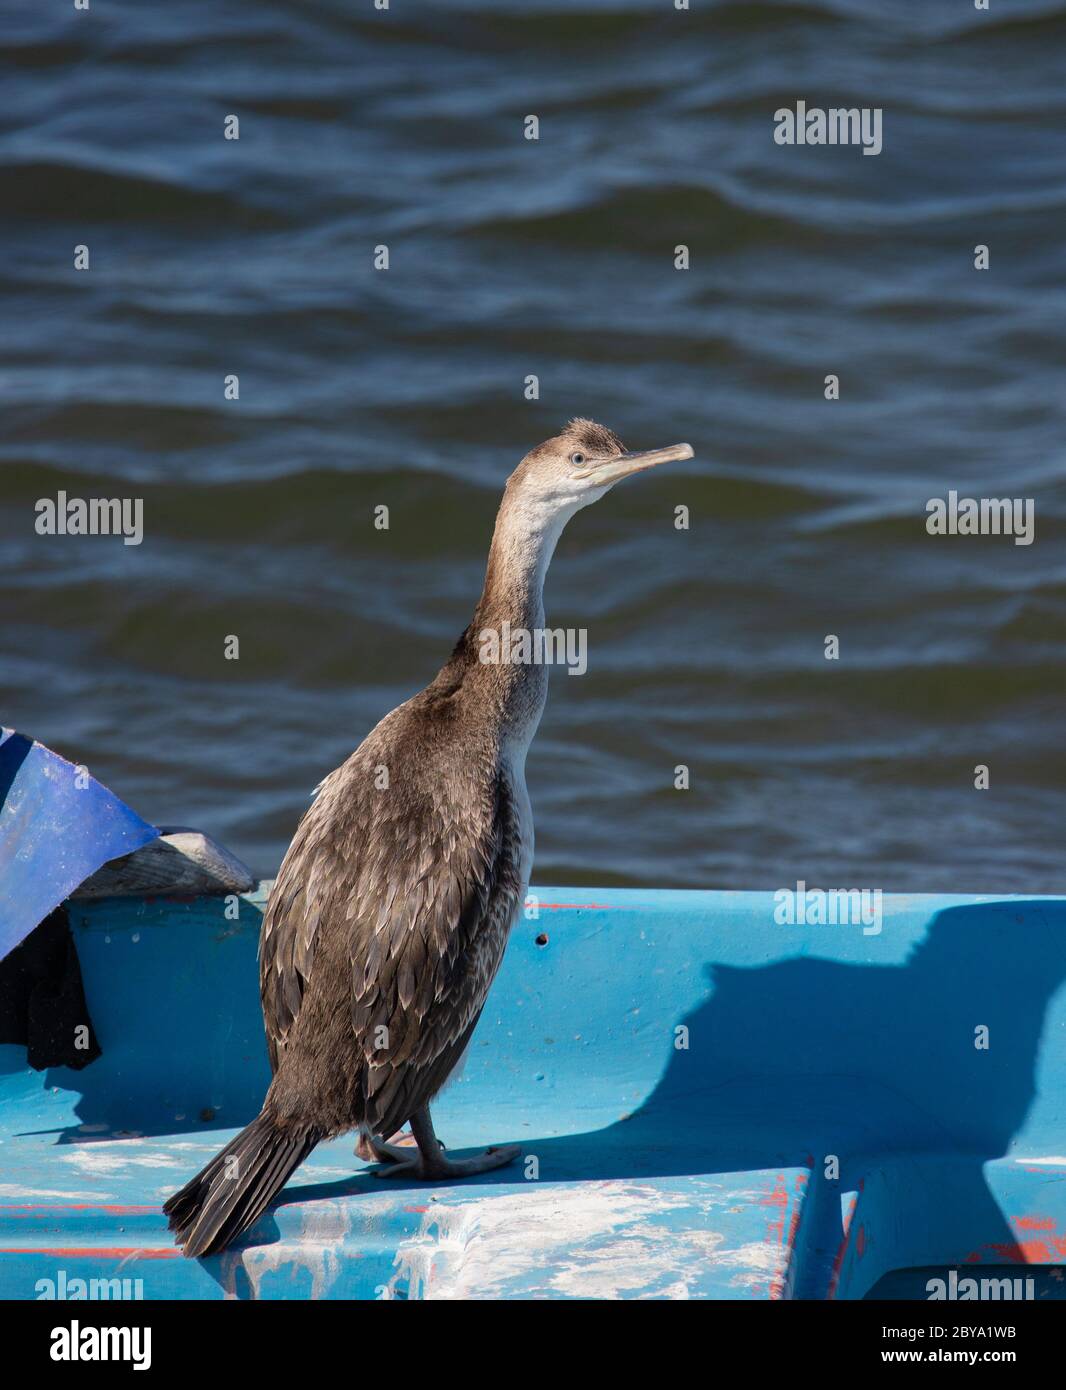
(405, 388)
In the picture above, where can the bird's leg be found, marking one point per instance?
(432, 1164)
(374, 1150)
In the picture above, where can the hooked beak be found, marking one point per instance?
(600, 474)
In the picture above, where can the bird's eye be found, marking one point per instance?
(577, 459)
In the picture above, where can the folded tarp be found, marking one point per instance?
(58, 825)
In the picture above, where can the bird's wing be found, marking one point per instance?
(301, 897)
(424, 897)
(424, 969)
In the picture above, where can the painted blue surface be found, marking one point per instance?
(58, 825)
(682, 1069)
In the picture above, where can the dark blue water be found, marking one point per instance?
(405, 388)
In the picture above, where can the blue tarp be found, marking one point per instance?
(58, 825)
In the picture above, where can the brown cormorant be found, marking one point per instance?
(390, 913)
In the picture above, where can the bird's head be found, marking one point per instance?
(576, 467)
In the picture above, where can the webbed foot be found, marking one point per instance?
(440, 1167)
(430, 1163)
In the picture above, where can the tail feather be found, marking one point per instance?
(235, 1188)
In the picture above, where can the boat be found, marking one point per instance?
(715, 1098)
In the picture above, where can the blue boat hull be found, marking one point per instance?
(710, 1105)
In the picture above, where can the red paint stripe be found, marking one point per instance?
(1025, 1252)
(78, 1206)
(1034, 1223)
(775, 1229)
(838, 1259)
(99, 1252)
(777, 1287)
(569, 907)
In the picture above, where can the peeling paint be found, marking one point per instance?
(14, 1189)
(318, 1251)
(100, 1159)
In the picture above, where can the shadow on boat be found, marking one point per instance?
(869, 1065)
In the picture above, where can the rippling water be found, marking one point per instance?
(508, 258)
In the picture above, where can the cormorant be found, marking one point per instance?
(390, 913)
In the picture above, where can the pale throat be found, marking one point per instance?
(523, 543)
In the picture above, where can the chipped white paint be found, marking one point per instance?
(113, 1158)
(14, 1189)
(637, 1264)
(611, 1239)
(760, 1257)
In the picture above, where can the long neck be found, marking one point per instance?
(509, 693)
(522, 547)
